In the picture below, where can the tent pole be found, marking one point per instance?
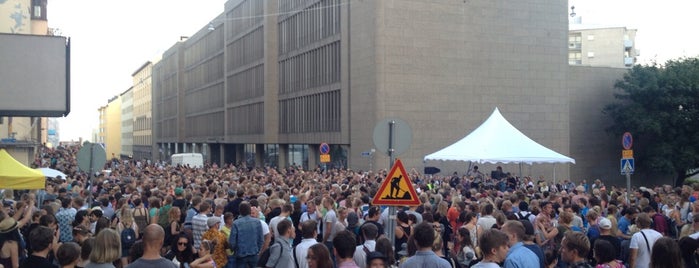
(554, 173)
(520, 170)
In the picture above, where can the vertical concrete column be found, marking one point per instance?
(313, 156)
(259, 154)
(283, 155)
(239, 153)
(222, 155)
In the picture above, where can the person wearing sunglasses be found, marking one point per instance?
(182, 253)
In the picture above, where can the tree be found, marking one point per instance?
(659, 105)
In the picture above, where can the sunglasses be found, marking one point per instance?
(181, 243)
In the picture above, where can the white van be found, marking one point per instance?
(191, 159)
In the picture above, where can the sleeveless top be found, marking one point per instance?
(6, 262)
(400, 241)
(141, 219)
(473, 232)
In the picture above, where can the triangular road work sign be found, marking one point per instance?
(396, 189)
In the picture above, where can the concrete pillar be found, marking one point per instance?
(283, 160)
(259, 154)
(313, 156)
(239, 153)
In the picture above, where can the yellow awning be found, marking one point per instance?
(15, 175)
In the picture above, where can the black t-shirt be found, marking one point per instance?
(34, 261)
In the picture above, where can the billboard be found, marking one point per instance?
(35, 75)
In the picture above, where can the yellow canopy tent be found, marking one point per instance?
(15, 175)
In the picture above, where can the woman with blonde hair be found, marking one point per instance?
(126, 222)
(105, 250)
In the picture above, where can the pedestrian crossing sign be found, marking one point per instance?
(396, 189)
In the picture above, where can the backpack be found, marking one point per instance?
(660, 224)
(262, 261)
(673, 230)
(163, 217)
(525, 217)
(128, 237)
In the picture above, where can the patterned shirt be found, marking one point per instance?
(220, 257)
(199, 226)
(65, 218)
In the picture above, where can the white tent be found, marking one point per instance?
(497, 141)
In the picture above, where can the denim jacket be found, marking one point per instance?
(246, 237)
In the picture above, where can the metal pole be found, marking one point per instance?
(90, 177)
(391, 223)
(628, 185)
(554, 173)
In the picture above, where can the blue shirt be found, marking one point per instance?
(426, 259)
(521, 257)
(246, 236)
(624, 225)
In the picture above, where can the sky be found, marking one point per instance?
(111, 39)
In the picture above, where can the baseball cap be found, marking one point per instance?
(213, 221)
(605, 223)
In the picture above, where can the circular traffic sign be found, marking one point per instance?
(324, 148)
(627, 140)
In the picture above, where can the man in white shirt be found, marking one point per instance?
(309, 231)
(642, 242)
(369, 232)
(311, 214)
(287, 209)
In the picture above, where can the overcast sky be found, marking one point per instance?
(111, 39)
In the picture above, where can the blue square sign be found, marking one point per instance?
(627, 165)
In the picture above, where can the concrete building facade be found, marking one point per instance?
(142, 115)
(127, 123)
(267, 89)
(604, 46)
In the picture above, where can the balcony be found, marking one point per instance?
(628, 61)
(574, 46)
(628, 44)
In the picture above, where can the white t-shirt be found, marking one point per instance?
(638, 242)
(330, 220)
(486, 265)
(486, 222)
(265, 228)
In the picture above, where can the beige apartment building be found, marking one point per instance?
(142, 116)
(603, 46)
(101, 131)
(126, 124)
(112, 130)
(22, 135)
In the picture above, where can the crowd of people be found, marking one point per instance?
(152, 214)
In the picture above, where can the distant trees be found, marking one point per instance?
(659, 105)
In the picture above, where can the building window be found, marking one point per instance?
(590, 37)
(590, 54)
(574, 58)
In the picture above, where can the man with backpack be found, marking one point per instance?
(661, 223)
(369, 233)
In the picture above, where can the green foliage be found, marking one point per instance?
(659, 105)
